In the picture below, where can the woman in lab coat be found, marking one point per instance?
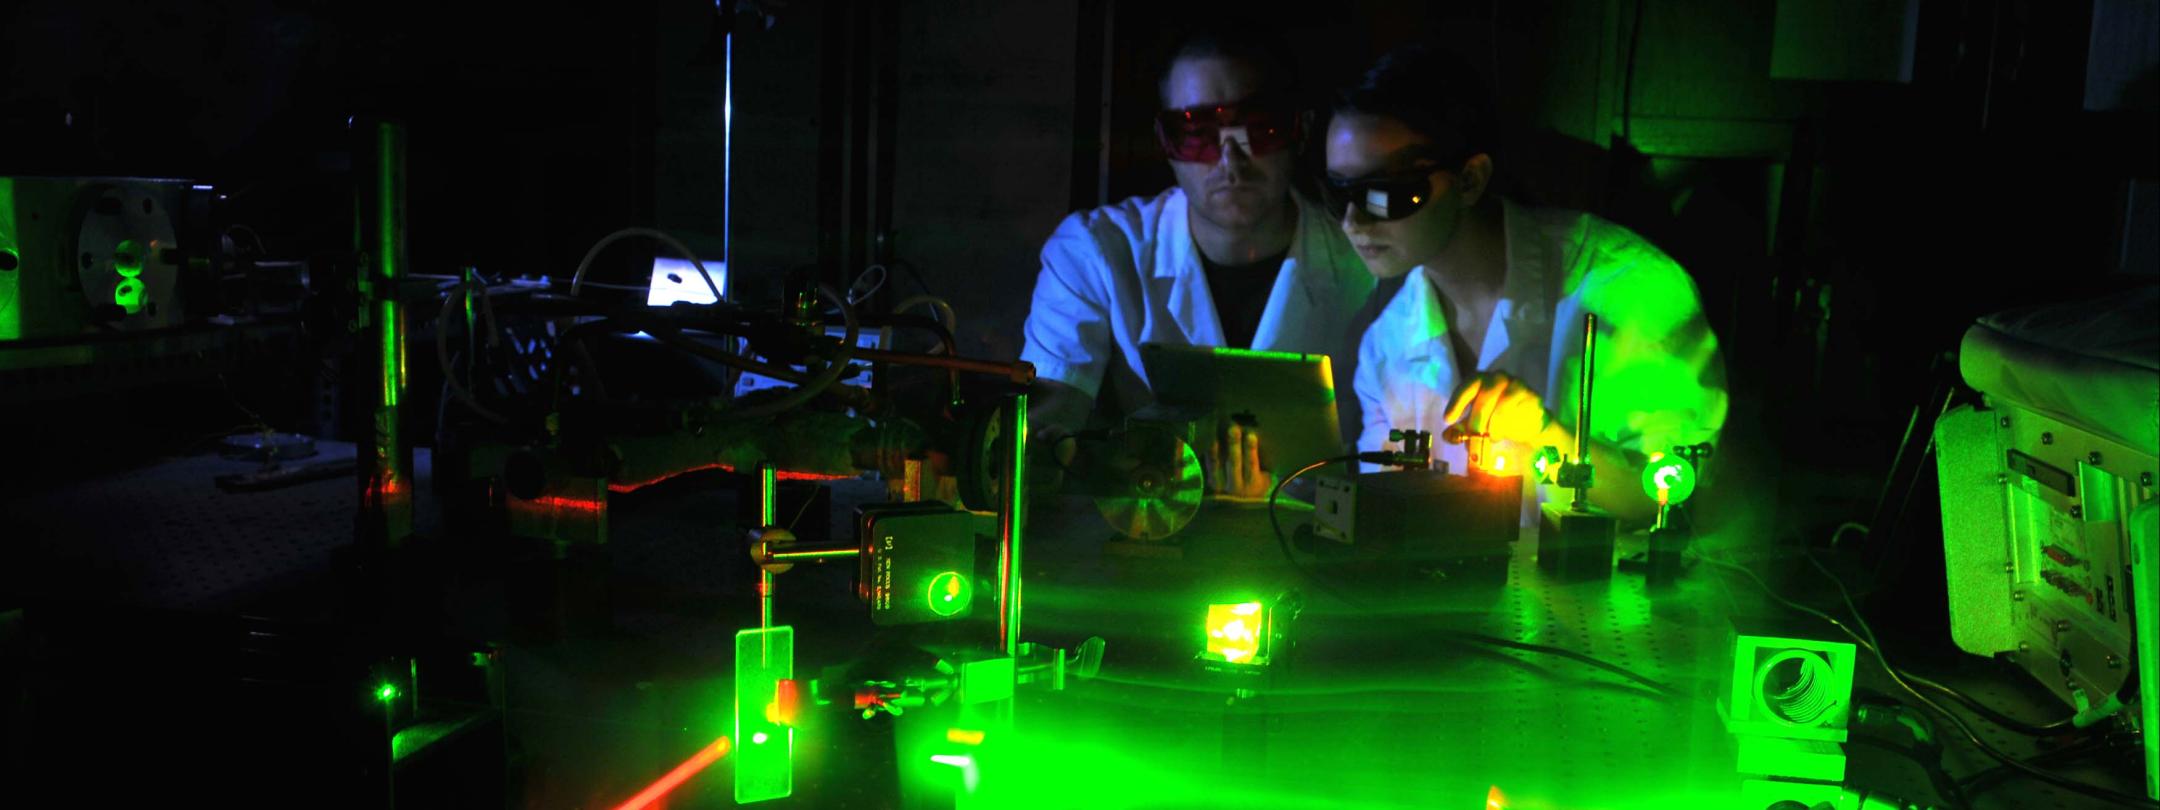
(1485, 337)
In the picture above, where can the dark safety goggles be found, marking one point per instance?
(1383, 198)
(1259, 126)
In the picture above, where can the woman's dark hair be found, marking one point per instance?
(1433, 93)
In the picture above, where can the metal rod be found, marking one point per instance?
(1012, 526)
(1582, 407)
(812, 554)
(1589, 365)
(768, 514)
(385, 469)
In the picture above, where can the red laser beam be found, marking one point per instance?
(573, 504)
(682, 773)
(783, 475)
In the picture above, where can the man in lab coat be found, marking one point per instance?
(1486, 335)
(1231, 256)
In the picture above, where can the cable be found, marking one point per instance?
(1571, 655)
(1991, 715)
(577, 279)
(944, 312)
(1282, 541)
(2098, 745)
(823, 379)
(1627, 84)
(2066, 783)
(442, 356)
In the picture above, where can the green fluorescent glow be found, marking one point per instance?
(128, 294)
(1237, 633)
(386, 692)
(1790, 688)
(1547, 464)
(1668, 478)
(1660, 378)
(11, 256)
(949, 593)
(765, 769)
(128, 258)
(1226, 351)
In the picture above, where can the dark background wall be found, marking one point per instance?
(1851, 181)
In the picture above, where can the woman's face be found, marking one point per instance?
(1366, 147)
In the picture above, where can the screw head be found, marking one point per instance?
(2093, 458)
(2017, 596)
(2024, 646)
(2047, 438)
(2062, 625)
(2009, 568)
(2005, 421)
(2002, 478)
(2077, 511)
(2114, 662)
(2145, 479)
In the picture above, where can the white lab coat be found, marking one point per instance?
(1660, 379)
(1118, 276)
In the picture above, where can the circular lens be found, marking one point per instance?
(1794, 688)
(948, 593)
(128, 258)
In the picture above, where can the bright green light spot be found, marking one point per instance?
(763, 658)
(128, 294)
(1669, 474)
(386, 692)
(128, 259)
(949, 593)
(1227, 351)
(11, 269)
(1237, 633)
(1547, 463)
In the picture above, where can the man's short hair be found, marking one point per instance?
(1261, 48)
(1433, 93)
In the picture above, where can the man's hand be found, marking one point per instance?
(1507, 412)
(1233, 465)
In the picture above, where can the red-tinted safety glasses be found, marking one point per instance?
(1259, 126)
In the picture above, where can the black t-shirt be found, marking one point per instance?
(1241, 294)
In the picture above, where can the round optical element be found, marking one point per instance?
(1669, 474)
(1547, 464)
(949, 593)
(1793, 687)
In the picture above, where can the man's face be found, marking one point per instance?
(1369, 148)
(1237, 190)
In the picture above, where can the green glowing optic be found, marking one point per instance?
(1226, 351)
(1547, 463)
(763, 658)
(949, 593)
(386, 692)
(1672, 475)
(128, 259)
(11, 269)
(1237, 633)
(128, 294)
